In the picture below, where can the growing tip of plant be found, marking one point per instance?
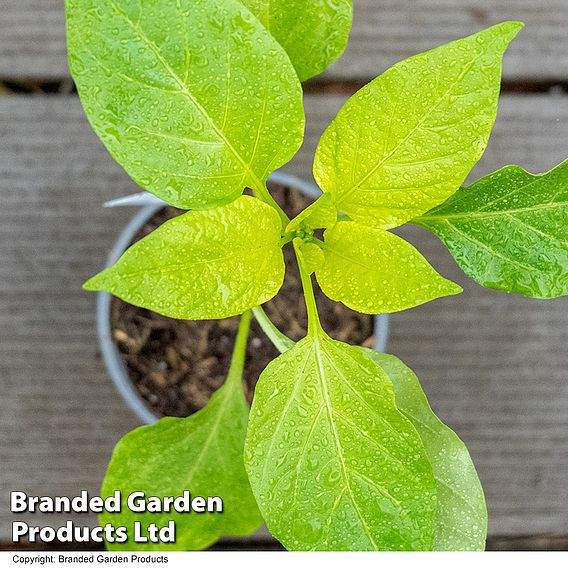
(319, 215)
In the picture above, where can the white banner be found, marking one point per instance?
(284, 559)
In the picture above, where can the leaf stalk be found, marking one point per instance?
(278, 339)
(239, 351)
(314, 324)
(261, 191)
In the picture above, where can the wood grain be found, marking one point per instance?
(32, 36)
(494, 365)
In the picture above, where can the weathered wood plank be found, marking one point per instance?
(494, 365)
(32, 36)
(386, 31)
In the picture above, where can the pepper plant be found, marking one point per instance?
(200, 99)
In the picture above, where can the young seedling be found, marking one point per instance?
(199, 99)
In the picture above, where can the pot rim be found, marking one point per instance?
(111, 355)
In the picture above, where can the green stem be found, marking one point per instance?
(235, 375)
(314, 324)
(278, 339)
(262, 193)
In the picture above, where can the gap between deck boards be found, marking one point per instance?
(64, 86)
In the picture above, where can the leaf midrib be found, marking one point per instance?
(171, 268)
(467, 68)
(466, 216)
(491, 251)
(327, 402)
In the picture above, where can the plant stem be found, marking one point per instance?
(278, 339)
(262, 193)
(235, 375)
(314, 324)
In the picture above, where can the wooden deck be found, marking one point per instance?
(494, 365)
(384, 31)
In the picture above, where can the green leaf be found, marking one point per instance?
(405, 142)
(209, 264)
(373, 271)
(313, 32)
(509, 230)
(462, 515)
(202, 454)
(194, 98)
(318, 215)
(332, 463)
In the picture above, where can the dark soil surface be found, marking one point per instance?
(176, 365)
